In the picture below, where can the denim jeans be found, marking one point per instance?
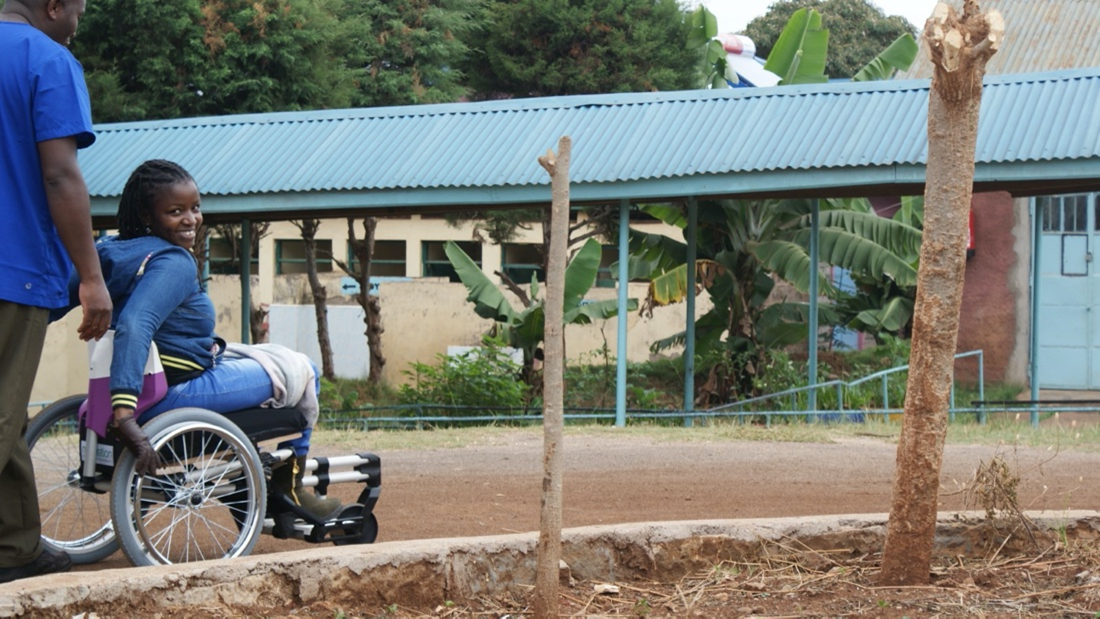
(233, 384)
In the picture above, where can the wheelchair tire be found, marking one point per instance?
(75, 521)
(207, 500)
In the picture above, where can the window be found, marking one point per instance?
(290, 256)
(388, 259)
(1064, 213)
(436, 264)
(223, 259)
(520, 261)
(609, 256)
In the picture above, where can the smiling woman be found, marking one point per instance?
(153, 281)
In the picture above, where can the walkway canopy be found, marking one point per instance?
(1039, 134)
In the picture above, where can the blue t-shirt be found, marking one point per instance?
(42, 97)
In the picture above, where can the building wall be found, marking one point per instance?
(421, 316)
(994, 314)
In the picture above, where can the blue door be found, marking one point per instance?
(1069, 327)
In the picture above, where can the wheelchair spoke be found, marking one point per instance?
(211, 485)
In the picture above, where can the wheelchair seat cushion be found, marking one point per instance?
(261, 424)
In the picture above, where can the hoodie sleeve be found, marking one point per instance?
(164, 281)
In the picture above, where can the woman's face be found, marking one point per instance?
(175, 215)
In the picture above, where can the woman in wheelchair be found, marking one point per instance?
(153, 280)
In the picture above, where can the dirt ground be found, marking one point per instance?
(492, 487)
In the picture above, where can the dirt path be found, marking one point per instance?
(493, 488)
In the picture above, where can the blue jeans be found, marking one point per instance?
(234, 384)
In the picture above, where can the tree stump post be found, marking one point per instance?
(549, 547)
(960, 48)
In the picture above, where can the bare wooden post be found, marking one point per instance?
(549, 548)
(960, 48)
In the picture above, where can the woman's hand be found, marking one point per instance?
(132, 436)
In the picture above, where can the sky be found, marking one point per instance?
(734, 15)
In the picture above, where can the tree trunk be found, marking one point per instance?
(960, 47)
(372, 307)
(320, 295)
(232, 234)
(549, 547)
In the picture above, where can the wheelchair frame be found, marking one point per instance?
(210, 500)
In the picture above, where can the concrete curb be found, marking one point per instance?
(425, 573)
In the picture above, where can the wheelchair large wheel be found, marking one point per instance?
(73, 520)
(206, 501)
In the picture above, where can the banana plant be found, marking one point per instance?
(522, 328)
(740, 244)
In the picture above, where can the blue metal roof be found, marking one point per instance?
(828, 139)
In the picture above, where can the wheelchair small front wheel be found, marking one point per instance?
(74, 520)
(205, 502)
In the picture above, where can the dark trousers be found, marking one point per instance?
(22, 335)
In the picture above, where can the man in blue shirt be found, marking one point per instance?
(45, 116)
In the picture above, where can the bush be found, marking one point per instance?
(344, 394)
(486, 378)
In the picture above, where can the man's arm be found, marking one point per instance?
(71, 211)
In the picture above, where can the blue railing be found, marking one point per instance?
(790, 403)
(842, 390)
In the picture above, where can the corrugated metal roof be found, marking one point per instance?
(636, 145)
(1040, 35)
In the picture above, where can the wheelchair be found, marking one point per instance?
(209, 499)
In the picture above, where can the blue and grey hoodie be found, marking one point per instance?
(155, 290)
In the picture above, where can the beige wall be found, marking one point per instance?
(421, 317)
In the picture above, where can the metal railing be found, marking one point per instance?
(842, 390)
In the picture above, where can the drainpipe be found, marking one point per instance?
(1036, 276)
(624, 274)
(689, 331)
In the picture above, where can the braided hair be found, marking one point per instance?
(144, 186)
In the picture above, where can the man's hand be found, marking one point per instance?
(96, 303)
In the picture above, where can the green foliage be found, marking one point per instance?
(858, 31)
(535, 48)
(486, 377)
(654, 385)
(798, 56)
(201, 57)
(523, 328)
(147, 59)
(411, 49)
(749, 241)
(344, 394)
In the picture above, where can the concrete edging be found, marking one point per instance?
(425, 573)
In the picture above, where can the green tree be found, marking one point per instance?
(151, 59)
(147, 59)
(858, 31)
(538, 48)
(413, 49)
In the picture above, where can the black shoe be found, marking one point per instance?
(49, 562)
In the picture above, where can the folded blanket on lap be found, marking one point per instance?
(292, 376)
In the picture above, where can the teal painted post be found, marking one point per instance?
(815, 229)
(981, 386)
(689, 332)
(246, 281)
(1036, 277)
(624, 274)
